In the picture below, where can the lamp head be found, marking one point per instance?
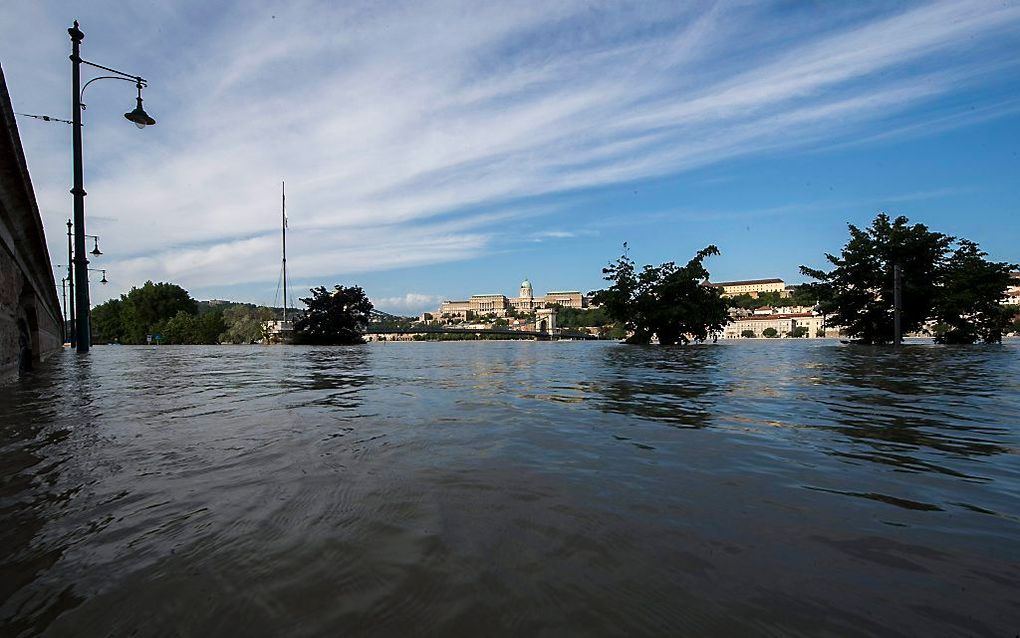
(138, 116)
(95, 250)
(104, 280)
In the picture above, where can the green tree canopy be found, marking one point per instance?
(142, 311)
(770, 333)
(968, 304)
(334, 317)
(107, 322)
(666, 301)
(957, 288)
(245, 324)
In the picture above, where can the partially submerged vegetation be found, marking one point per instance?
(665, 302)
(949, 289)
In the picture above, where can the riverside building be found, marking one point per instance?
(752, 287)
(783, 323)
(501, 305)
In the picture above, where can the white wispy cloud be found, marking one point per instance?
(412, 303)
(409, 133)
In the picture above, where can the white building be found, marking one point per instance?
(783, 323)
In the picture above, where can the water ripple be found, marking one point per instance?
(495, 488)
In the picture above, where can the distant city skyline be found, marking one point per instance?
(517, 140)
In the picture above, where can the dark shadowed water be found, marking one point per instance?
(513, 488)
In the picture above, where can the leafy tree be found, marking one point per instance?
(771, 333)
(194, 329)
(580, 317)
(665, 301)
(968, 305)
(748, 334)
(857, 293)
(802, 295)
(820, 333)
(334, 317)
(245, 324)
(798, 332)
(140, 312)
(145, 307)
(107, 323)
(208, 327)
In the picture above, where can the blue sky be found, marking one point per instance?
(435, 150)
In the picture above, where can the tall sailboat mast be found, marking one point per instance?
(283, 212)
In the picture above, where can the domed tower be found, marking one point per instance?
(526, 292)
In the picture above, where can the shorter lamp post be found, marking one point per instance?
(72, 336)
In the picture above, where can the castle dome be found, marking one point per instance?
(526, 284)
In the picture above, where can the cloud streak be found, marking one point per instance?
(409, 134)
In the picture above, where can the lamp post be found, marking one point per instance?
(139, 118)
(72, 337)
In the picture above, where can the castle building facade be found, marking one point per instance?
(501, 305)
(752, 287)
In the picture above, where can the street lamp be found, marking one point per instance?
(95, 249)
(103, 281)
(140, 119)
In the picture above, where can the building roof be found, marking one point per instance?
(789, 315)
(563, 292)
(747, 282)
(525, 283)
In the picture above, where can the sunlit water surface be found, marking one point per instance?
(513, 488)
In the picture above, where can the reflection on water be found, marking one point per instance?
(513, 488)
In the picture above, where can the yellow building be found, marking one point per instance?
(751, 287)
(782, 323)
(500, 305)
(525, 301)
(567, 299)
(1013, 290)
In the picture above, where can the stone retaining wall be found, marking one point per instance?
(30, 316)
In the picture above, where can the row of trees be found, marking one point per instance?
(167, 310)
(949, 289)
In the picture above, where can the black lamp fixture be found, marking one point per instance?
(95, 248)
(104, 280)
(138, 116)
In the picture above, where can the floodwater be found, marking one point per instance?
(513, 489)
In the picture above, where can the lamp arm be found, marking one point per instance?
(126, 76)
(103, 77)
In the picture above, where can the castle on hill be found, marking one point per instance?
(501, 305)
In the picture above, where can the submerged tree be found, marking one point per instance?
(958, 288)
(968, 306)
(245, 324)
(142, 311)
(858, 293)
(334, 317)
(665, 301)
